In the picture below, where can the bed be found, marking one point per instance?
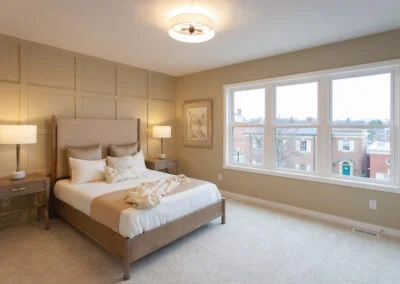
(140, 231)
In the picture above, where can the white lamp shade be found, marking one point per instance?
(162, 131)
(18, 134)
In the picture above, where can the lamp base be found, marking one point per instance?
(18, 175)
(163, 156)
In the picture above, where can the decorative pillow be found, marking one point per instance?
(86, 171)
(123, 150)
(136, 161)
(92, 152)
(116, 175)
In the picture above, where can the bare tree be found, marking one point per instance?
(285, 147)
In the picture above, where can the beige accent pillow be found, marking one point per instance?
(136, 162)
(92, 152)
(116, 175)
(83, 171)
(123, 150)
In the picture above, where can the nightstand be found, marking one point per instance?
(169, 165)
(32, 184)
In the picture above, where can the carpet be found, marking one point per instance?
(256, 245)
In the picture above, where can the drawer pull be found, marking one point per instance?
(18, 189)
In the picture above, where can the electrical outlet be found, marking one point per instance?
(5, 202)
(219, 176)
(372, 204)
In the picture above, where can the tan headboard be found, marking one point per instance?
(81, 132)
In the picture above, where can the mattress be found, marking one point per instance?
(133, 221)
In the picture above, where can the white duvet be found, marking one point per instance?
(136, 221)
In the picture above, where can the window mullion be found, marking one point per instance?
(323, 146)
(228, 127)
(268, 128)
(395, 127)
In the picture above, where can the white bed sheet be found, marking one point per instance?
(134, 222)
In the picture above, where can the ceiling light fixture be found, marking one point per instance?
(191, 27)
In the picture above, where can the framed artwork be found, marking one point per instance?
(197, 123)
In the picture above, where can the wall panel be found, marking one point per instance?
(8, 154)
(98, 76)
(98, 107)
(66, 84)
(132, 82)
(53, 69)
(9, 61)
(39, 155)
(129, 108)
(9, 105)
(42, 104)
(161, 113)
(9, 114)
(161, 87)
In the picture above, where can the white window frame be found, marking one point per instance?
(322, 172)
(350, 143)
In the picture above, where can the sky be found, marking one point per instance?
(356, 98)
(362, 97)
(252, 103)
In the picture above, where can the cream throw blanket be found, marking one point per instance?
(148, 194)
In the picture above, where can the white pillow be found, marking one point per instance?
(87, 170)
(116, 175)
(136, 162)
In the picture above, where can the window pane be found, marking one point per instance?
(295, 148)
(249, 106)
(248, 145)
(361, 152)
(361, 100)
(297, 104)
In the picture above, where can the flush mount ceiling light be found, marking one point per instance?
(191, 27)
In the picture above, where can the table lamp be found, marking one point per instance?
(18, 134)
(162, 132)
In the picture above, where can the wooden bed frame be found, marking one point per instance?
(128, 250)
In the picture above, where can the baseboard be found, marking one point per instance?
(313, 214)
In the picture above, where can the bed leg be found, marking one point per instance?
(127, 259)
(223, 211)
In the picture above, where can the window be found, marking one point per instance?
(383, 176)
(345, 145)
(302, 146)
(296, 125)
(369, 120)
(303, 167)
(247, 127)
(334, 126)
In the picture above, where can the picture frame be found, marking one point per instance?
(198, 123)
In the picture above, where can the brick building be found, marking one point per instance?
(349, 152)
(355, 152)
(295, 148)
(379, 156)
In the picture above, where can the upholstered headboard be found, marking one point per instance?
(81, 132)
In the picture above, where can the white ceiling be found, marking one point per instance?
(135, 31)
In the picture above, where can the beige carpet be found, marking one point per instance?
(257, 245)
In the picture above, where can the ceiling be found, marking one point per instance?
(134, 32)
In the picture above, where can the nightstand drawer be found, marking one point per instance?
(169, 165)
(161, 165)
(22, 188)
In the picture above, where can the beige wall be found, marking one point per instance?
(38, 81)
(337, 200)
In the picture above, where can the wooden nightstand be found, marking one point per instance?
(31, 184)
(169, 165)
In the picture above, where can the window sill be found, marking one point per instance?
(311, 177)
